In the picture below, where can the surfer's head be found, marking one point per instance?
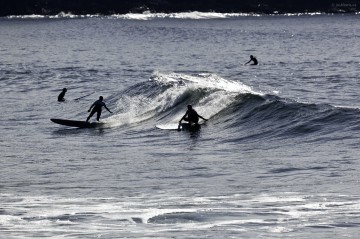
(251, 56)
(64, 89)
(101, 98)
(189, 107)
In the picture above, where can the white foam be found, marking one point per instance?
(132, 110)
(29, 216)
(196, 15)
(32, 16)
(140, 16)
(205, 80)
(301, 14)
(57, 16)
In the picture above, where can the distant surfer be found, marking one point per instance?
(96, 108)
(191, 116)
(252, 59)
(61, 95)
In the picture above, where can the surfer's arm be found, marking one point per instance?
(107, 109)
(202, 118)
(248, 62)
(91, 107)
(183, 117)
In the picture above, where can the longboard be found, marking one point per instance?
(182, 126)
(76, 123)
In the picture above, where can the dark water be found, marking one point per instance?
(278, 157)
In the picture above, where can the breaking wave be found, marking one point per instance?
(232, 107)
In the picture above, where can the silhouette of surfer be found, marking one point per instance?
(96, 108)
(61, 95)
(252, 59)
(191, 116)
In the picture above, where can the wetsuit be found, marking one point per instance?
(61, 96)
(192, 116)
(255, 61)
(97, 109)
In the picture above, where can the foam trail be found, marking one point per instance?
(133, 110)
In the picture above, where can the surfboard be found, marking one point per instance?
(183, 126)
(76, 123)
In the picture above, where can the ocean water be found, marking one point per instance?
(278, 158)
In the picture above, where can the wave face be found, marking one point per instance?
(165, 96)
(236, 110)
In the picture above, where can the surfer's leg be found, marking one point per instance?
(90, 115)
(98, 115)
(196, 121)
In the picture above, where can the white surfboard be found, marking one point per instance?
(182, 126)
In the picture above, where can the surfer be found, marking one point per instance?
(252, 59)
(61, 95)
(97, 108)
(191, 116)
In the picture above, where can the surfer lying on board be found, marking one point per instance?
(192, 116)
(252, 59)
(97, 108)
(61, 95)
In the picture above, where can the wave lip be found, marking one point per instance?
(202, 80)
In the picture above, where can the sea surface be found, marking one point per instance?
(279, 156)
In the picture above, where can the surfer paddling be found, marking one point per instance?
(61, 95)
(96, 108)
(252, 59)
(191, 116)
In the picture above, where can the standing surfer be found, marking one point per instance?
(191, 116)
(97, 107)
(61, 95)
(252, 59)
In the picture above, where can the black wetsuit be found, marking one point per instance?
(255, 61)
(192, 116)
(61, 96)
(97, 109)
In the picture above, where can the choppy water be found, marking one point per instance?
(278, 158)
